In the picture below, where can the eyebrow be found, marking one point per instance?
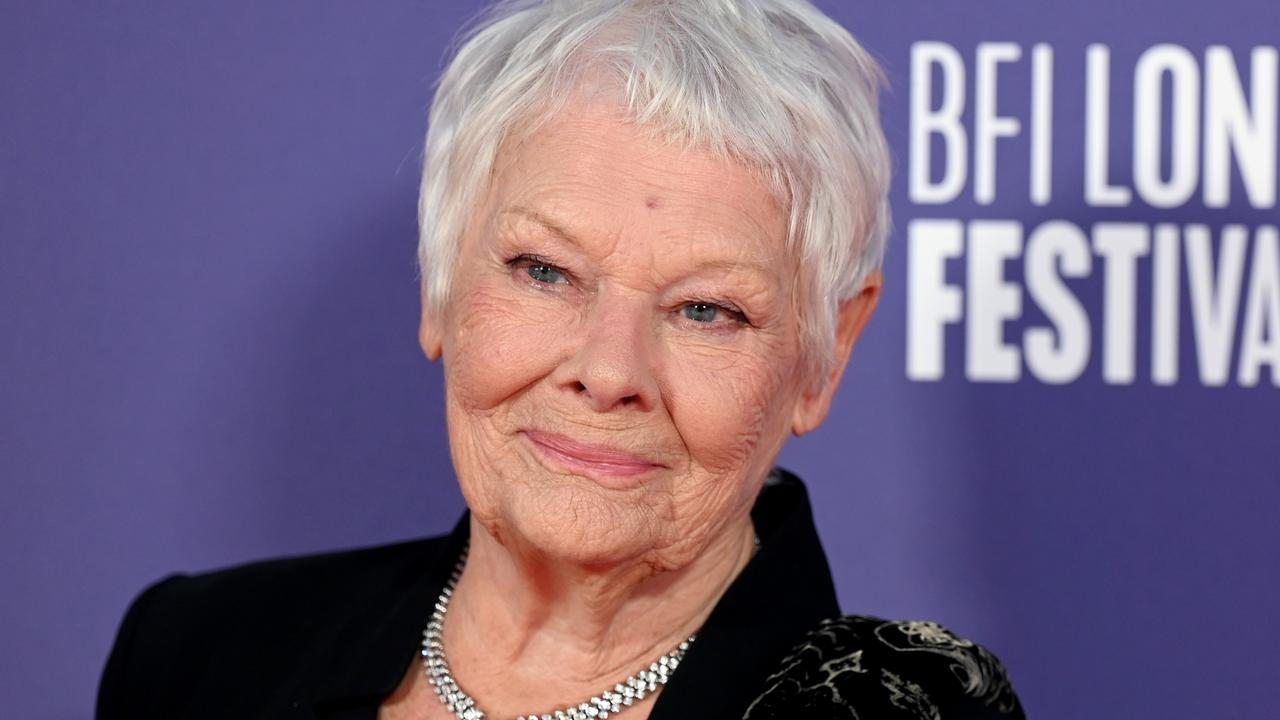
(557, 229)
(543, 221)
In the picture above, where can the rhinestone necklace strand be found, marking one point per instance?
(601, 706)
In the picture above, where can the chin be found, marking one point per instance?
(575, 522)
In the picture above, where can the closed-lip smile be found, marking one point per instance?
(607, 465)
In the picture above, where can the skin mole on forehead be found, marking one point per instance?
(651, 203)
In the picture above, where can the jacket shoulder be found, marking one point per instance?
(258, 615)
(865, 667)
(288, 578)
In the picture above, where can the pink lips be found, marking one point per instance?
(606, 465)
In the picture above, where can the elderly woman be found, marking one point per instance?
(651, 232)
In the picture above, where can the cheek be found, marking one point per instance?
(731, 409)
(497, 345)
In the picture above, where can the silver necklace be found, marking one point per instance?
(599, 707)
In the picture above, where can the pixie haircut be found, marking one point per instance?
(773, 84)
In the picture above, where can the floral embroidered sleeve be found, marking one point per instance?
(862, 668)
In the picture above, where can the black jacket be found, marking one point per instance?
(329, 636)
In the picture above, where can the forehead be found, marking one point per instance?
(596, 174)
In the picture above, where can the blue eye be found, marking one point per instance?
(545, 274)
(701, 312)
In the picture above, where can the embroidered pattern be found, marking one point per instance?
(860, 667)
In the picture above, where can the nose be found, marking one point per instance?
(612, 367)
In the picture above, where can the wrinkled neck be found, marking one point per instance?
(592, 624)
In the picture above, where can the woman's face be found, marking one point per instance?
(621, 348)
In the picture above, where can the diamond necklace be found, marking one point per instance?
(600, 706)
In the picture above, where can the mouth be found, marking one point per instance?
(607, 466)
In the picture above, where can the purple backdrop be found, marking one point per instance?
(208, 311)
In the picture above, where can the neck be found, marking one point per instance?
(515, 610)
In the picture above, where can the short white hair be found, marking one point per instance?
(775, 84)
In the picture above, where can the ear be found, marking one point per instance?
(815, 402)
(429, 335)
